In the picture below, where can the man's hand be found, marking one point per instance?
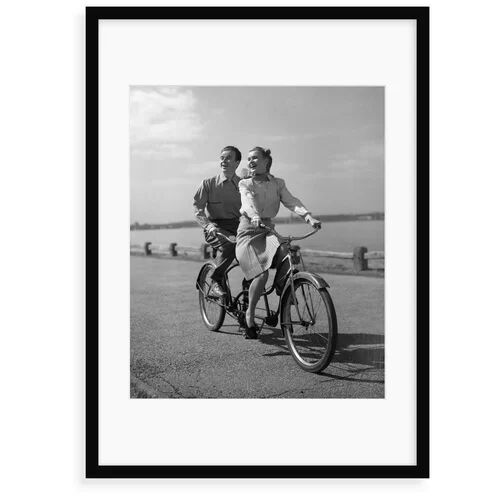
(256, 221)
(315, 223)
(211, 230)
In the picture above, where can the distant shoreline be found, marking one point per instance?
(370, 216)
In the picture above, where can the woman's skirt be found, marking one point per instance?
(255, 247)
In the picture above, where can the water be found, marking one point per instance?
(335, 236)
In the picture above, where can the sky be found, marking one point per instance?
(326, 142)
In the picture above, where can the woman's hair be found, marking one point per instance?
(266, 153)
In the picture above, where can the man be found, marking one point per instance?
(219, 195)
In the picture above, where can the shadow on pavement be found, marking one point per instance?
(357, 348)
(361, 348)
(274, 337)
(268, 336)
(358, 354)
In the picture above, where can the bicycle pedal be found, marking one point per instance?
(272, 320)
(215, 298)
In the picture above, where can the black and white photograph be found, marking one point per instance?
(262, 203)
(256, 242)
(235, 258)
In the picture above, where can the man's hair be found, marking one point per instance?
(237, 152)
(266, 153)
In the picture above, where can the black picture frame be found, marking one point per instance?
(93, 468)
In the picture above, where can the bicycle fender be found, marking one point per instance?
(199, 275)
(318, 280)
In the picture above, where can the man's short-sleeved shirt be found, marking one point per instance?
(220, 197)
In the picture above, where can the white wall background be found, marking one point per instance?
(42, 273)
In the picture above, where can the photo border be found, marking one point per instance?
(93, 16)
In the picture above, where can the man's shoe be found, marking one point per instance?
(216, 290)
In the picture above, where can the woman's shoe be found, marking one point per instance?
(251, 332)
(216, 290)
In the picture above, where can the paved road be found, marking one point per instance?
(172, 355)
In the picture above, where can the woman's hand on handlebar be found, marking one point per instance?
(315, 223)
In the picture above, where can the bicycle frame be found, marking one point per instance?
(231, 305)
(305, 308)
(293, 274)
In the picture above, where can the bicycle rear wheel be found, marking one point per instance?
(212, 312)
(310, 325)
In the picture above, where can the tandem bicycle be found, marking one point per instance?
(305, 310)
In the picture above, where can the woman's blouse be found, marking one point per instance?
(262, 199)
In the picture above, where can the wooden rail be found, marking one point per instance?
(377, 254)
(172, 249)
(325, 253)
(360, 255)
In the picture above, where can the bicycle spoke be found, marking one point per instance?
(309, 304)
(314, 309)
(310, 338)
(318, 304)
(306, 302)
(212, 310)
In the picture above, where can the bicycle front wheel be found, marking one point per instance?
(309, 323)
(212, 312)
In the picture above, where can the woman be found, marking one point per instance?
(261, 195)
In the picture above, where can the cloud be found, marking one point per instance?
(163, 121)
(160, 151)
(367, 160)
(202, 169)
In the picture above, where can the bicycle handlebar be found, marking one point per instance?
(289, 238)
(232, 239)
